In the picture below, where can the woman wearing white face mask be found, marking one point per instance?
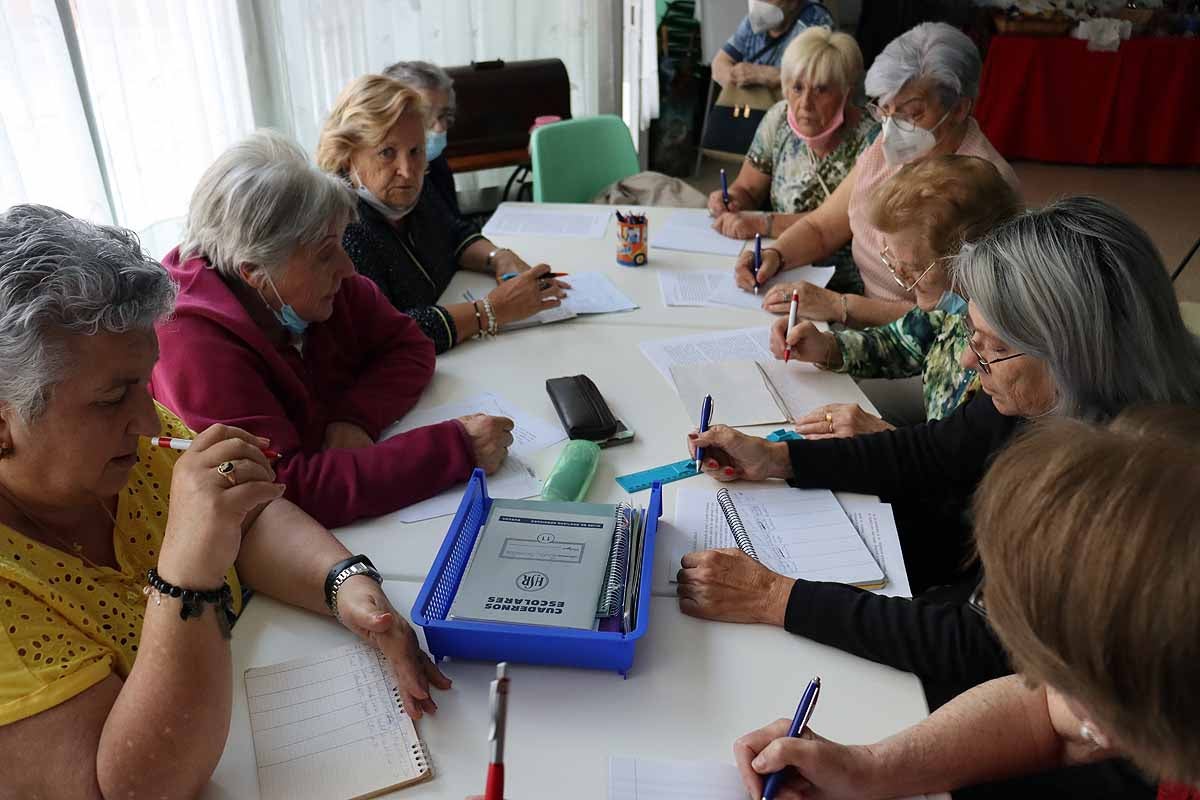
(406, 238)
(805, 145)
(753, 54)
(926, 81)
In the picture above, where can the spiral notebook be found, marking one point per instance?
(332, 727)
(799, 533)
(547, 563)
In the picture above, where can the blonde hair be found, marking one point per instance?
(822, 57)
(363, 114)
(946, 200)
(1090, 540)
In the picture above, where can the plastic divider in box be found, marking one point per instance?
(528, 644)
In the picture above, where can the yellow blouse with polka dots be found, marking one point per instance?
(65, 625)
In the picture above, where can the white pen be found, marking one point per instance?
(787, 348)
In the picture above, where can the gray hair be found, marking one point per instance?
(422, 75)
(62, 275)
(931, 50)
(1080, 286)
(260, 200)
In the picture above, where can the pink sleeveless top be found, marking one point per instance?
(867, 242)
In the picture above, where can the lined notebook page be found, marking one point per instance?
(331, 726)
(644, 779)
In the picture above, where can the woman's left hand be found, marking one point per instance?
(839, 420)
(729, 586)
(740, 224)
(812, 301)
(365, 609)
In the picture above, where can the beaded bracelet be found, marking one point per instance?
(192, 601)
(478, 320)
(491, 312)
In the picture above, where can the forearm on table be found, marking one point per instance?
(166, 731)
(864, 312)
(997, 730)
(475, 256)
(287, 555)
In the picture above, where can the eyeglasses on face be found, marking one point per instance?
(889, 261)
(985, 366)
(904, 120)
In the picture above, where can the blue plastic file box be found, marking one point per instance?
(528, 644)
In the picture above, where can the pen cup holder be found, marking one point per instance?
(633, 248)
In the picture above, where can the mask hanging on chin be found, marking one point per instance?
(286, 316)
(435, 144)
(824, 137)
(764, 16)
(392, 213)
(901, 147)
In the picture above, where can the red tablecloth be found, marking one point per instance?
(1050, 99)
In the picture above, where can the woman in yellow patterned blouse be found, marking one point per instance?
(112, 682)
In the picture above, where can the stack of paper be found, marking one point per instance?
(514, 479)
(580, 222)
(717, 287)
(691, 229)
(741, 344)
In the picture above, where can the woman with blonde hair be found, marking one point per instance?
(406, 239)
(926, 212)
(805, 145)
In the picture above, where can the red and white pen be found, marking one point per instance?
(787, 348)
(184, 444)
(499, 704)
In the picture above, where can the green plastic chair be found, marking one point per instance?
(576, 158)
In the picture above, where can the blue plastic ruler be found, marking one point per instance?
(668, 473)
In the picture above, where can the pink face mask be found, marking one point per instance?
(823, 138)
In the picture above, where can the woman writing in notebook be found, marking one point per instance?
(1072, 315)
(1091, 560)
(122, 564)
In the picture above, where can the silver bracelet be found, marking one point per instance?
(478, 321)
(492, 256)
(491, 313)
(345, 575)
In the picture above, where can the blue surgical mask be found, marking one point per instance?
(952, 303)
(435, 143)
(292, 322)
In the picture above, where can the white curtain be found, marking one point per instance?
(639, 96)
(316, 47)
(46, 151)
(169, 91)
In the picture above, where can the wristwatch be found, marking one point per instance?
(492, 256)
(344, 571)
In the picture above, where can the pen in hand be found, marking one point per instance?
(795, 306)
(499, 712)
(724, 190)
(757, 258)
(804, 712)
(706, 409)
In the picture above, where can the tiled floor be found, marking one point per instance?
(1166, 202)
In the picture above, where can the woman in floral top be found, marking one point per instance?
(926, 212)
(805, 145)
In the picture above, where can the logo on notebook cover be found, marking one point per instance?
(532, 581)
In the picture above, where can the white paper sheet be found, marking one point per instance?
(741, 344)
(875, 524)
(514, 480)
(800, 533)
(651, 779)
(728, 293)
(691, 288)
(740, 393)
(533, 220)
(595, 293)
(690, 229)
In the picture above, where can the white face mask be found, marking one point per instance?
(764, 16)
(901, 147)
(390, 212)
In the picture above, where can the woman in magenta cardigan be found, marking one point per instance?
(275, 333)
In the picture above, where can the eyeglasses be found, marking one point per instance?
(976, 602)
(885, 255)
(985, 366)
(903, 121)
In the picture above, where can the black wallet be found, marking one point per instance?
(581, 408)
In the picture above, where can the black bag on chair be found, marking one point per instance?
(734, 117)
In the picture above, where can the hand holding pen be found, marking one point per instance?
(706, 410)
(498, 700)
(757, 259)
(787, 351)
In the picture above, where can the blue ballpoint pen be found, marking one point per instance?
(724, 190)
(804, 712)
(757, 258)
(706, 410)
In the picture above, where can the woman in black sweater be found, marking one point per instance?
(1073, 315)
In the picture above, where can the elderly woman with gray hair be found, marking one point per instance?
(122, 562)
(275, 333)
(925, 83)
(1071, 314)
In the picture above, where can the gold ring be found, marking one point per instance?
(226, 468)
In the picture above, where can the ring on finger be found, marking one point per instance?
(543, 285)
(228, 470)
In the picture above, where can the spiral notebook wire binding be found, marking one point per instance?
(735, 523)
